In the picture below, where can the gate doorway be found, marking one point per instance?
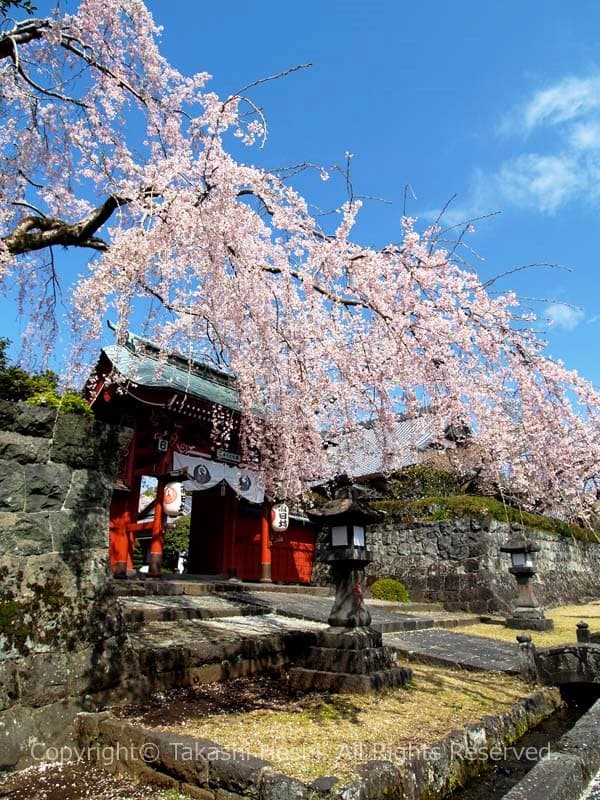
(225, 540)
(210, 531)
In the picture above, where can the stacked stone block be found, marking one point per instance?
(349, 660)
(60, 632)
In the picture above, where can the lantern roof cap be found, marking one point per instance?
(519, 543)
(344, 510)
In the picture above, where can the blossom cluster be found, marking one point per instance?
(227, 263)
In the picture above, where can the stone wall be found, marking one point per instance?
(60, 634)
(459, 563)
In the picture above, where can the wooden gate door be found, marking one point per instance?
(207, 532)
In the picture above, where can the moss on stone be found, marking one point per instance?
(437, 507)
(14, 629)
(50, 594)
(40, 619)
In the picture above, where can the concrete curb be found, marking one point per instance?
(565, 773)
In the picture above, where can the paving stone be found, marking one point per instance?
(158, 607)
(385, 617)
(456, 649)
(264, 624)
(194, 642)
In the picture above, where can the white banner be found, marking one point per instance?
(206, 473)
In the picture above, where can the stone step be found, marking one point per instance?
(142, 587)
(138, 586)
(358, 662)
(406, 607)
(221, 637)
(163, 655)
(162, 647)
(314, 680)
(153, 608)
(457, 621)
(420, 623)
(276, 588)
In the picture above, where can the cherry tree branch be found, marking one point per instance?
(69, 43)
(548, 265)
(39, 232)
(32, 29)
(23, 32)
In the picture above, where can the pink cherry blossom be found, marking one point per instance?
(106, 147)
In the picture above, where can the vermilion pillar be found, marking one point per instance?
(119, 544)
(265, 544)
(156, 545)
(121, 541)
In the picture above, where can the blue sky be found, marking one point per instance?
(498, 103)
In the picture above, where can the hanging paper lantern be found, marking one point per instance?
(173, 500)
(280, 517)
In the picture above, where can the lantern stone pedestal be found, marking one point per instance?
(527, 614)
(349, 660)
(349, 656)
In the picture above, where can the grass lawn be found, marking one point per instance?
(319, 734)
(565, 622)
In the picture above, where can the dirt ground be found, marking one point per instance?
(311, 735)
(76, 782)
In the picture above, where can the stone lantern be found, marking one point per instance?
(527, 614)
(347, 554)
(349, 656)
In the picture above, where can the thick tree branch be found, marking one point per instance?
(32, 29)
(21, 33)
(26, 31)
(38, 232)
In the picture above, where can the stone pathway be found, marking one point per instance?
(153, 608)
(180, 633)
(456, 649)
(204, 641)
(385, 616)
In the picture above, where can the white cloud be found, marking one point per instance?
(564, 316)
(565, 167)
(538, 182)
(585, 136)
(569, 99)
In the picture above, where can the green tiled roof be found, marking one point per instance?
(142, 363)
